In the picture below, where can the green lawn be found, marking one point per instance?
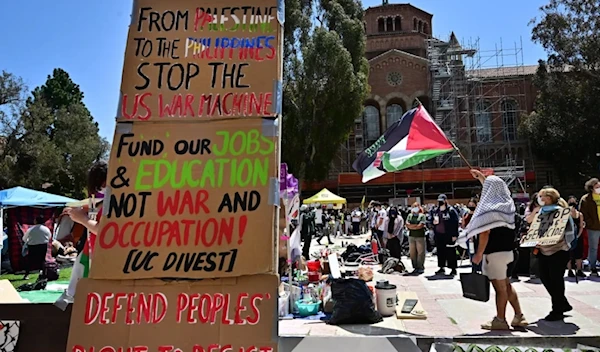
(17, 280)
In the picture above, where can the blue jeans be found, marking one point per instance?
(593, 239)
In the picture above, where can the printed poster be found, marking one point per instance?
(189, 201)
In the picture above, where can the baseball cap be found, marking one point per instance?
(442, 198)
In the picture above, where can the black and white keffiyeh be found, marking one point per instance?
(496, 208)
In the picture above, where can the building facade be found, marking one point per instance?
(477, 97)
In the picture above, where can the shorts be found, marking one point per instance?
(495, 265)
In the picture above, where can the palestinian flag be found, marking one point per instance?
(413, 139)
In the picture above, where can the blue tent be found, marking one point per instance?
(24, 197)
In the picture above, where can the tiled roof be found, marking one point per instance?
(504, 71)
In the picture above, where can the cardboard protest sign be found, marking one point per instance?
(195, 60)
(547, 229)
(189, 201)
(221, 315)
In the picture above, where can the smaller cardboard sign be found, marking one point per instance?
(547, 229)
(219, 315)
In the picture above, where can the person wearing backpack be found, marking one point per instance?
(577, 252)
(553, 259)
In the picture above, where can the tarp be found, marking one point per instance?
(24, 197)
(325, 197)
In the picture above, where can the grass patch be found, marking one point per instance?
(17, 279)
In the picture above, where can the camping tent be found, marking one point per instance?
(24, 205)
(325, 197)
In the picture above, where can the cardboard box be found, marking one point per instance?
(233, 314)
(190, 201)
(202, 60)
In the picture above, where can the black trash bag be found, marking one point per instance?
(353, 303)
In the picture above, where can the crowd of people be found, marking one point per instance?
(491, 225)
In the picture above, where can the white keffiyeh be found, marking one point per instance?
(496, 208)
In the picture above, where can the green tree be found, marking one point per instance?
(565, 127)
(52, 140)
(324, 81)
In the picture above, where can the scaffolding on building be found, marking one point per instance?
(477, 99)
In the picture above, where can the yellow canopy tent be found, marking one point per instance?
(325, 197)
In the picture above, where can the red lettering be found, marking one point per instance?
(92, 308)
(182, 302)
(78, 348)
(219, 304)
(205, 305)
(117, 307)
(240, 308)
(213, 348)
(131, 309)
(225, 320)
(107, 349)
(144, 307)
(253, 320)
(138, 101)
(104, 308)
(140, 349)
(176, 206)
(160, 308)
(165, 348)
(194, 307)
(201, 19)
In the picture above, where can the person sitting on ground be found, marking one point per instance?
(494, 222)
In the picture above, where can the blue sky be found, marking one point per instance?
(87, 39)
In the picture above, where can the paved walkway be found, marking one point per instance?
(449, 314)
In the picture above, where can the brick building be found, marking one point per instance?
(478, 106)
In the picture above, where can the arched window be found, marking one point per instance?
(415, 24)
(389, 24)
(425, 28)
(381, 25)
(371, 125)
(420, 26)
(394, 113)
(483, 122)
(398, 24)
(509, 119)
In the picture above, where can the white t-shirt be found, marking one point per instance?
(382, 215)
(319, 216)
(37, 234)
(356, 217)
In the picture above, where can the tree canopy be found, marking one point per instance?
(324, 81)
(565, 126)
(50, 139)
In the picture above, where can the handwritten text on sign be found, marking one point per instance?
(206, 61)
(547, 229)
(231, 315)
(188, 201)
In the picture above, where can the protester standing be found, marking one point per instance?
(532, 209)
(553, 259)
(380, 224)
(36, 238)
(394, 235)
(494, 222)
(356, 219)
(576, 261)
(445, 228)
(415, 223)
(590, 208)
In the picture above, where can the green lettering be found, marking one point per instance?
(260, 171)
(208, 174)
(233, 143)
(220, 174)
(245, 165)
(141, 173)
(253, 144)
(168, 178)
(270, 144)
(187, 174)
(215, 147)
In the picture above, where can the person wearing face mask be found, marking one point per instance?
(415, 223)
(465, 221)
(589, 206)
(553, 259)
(445, 228)
(577, 252)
